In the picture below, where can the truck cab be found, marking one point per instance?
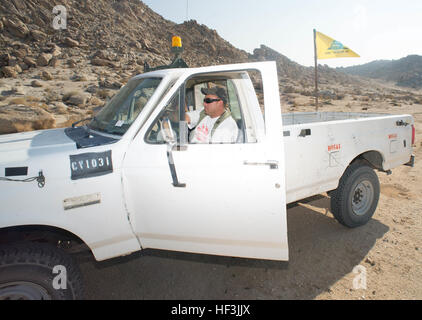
(225, 198)
(120, 184)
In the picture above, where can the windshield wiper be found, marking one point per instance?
(89, 128)
(86, 119)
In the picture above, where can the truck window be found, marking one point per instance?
(238, 102)
(233, 100)
(229, 132)
(194, 96)
(121, 111)
(256, 79)
(204, 127)
(156, 134)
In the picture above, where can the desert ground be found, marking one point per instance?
(326, 259)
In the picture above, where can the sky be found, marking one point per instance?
(375, 29)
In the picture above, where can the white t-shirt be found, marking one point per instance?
(226, 132)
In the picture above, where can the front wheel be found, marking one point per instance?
(35, 271)
(355, 200)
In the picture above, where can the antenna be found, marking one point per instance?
(187, 10)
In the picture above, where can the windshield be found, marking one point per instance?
(121, 111)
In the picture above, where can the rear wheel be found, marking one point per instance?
(35, 271)
(355, 200)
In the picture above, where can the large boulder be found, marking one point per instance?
(104, 54)
(17, 118)
(71, 43)
(54, 62)
(110, 84)
(4, 59)
(30, 62)
(9, 72)
(45, 75)
(16, 27)
(19, 4)
(76, 98)
(55, 50)
(36, 84)
(102, 63)
(38, 35)
(44, 59)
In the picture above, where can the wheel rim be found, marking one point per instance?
(362, 197)
(23, 291)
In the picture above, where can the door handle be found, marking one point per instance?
(271, 163)
(305, 132)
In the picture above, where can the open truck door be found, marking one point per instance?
(221, 199)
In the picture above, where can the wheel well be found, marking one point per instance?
(44, 234)
(374, 158)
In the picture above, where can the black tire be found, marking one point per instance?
(355, 200)
(26, 273)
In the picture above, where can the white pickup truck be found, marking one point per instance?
(130, 179)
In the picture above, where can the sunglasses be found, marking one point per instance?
(208, 100)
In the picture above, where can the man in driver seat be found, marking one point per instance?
(213, 124)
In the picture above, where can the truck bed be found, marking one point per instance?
(320, 145)
(313, 117)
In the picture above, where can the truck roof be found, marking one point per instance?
(162, 73)
(215, 68)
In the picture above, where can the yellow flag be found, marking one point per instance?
(328, 48)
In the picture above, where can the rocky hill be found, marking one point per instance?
(129, 32)
(54, 77)
(127, 29)
(405, 72)
(292, 73)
